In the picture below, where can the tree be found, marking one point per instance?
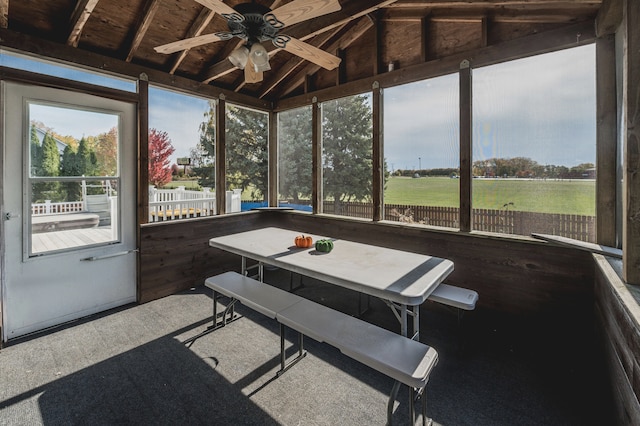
(247, 134)
(347, 150)
(85, 159)
(295, 155)
(49, 167)
(69, 167)
(106, 151)
(35, 152)
(203, 155)
(160, 150)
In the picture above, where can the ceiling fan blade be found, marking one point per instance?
(250, 73)
(312, 53)
(188, 43)
(302, 10)
(220, 8)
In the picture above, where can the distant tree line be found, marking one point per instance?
(91, 156)
(518, 167)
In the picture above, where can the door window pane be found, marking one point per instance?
(73, 178)
(534, 146)
(347, 149)
(422, 154)
(294, 158)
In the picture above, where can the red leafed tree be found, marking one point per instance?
(160, 149)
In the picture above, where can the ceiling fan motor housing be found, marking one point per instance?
(258, 24)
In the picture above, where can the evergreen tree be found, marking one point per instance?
(84, 163)
(295, 155)
(69, 167)
(347, 150)
(49, 167)
(247, 134)
(203, 155)
(35, 152)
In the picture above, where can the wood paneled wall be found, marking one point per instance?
(519, 279)
(176, 256)
(619, 338)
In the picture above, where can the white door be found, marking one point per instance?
(68, 194)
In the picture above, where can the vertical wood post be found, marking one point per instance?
(631, 178)
(378, 154)
(221, 150)
(143, 149)
(606, 141)
(466, 127)
(424, 39)
(273, 160)
(316, 157)
(4, 13)
(142, 190)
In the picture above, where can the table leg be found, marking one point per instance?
(403, 321)
(416, 322)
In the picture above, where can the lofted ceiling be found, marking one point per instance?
(368, 35)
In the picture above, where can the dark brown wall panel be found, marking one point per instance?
(619, 336)
(176, 256)
(522, 284)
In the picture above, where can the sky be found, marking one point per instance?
(541, 107)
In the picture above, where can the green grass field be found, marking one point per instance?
(544, 196)
(188, 184)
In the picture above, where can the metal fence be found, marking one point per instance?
(503, 221)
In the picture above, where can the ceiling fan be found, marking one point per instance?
(256, 24)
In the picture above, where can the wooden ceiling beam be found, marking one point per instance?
(4, 13)
(470, 14)
(609, 17)
(421, 4)
(308, 29)
(150, 9)
(79, 18)
(354, 33)
(202, 20)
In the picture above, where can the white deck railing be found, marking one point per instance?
(52, 208)
(164, 204)
(181, 203)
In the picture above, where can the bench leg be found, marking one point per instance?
(229, 311)
(392, 398)
(284, 366)
(414, 394)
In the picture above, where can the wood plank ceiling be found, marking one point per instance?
(367, 35)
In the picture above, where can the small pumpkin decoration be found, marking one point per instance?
(303, 241)
(324, 246)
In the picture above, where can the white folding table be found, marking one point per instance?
(402, 279)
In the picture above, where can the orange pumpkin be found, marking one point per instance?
(304, 241)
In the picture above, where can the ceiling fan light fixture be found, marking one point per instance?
(259, 57)
(239, 57)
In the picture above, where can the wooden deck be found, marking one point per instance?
(61, 240)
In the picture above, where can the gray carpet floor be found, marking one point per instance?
(155, 364)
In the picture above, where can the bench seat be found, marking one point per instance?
(405, 360)
(266, 299)
(392, 354)
(457, 297)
